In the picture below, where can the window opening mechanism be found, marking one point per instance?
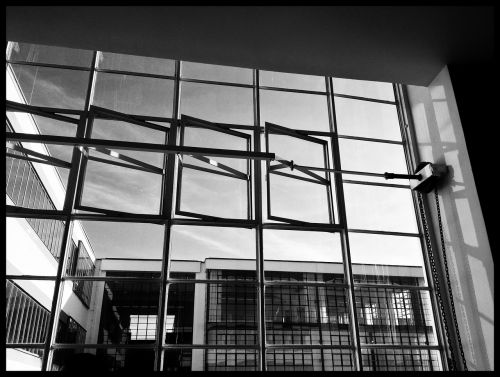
(426, 176)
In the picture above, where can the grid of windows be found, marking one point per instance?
(158, 94)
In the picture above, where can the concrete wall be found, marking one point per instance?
(440, 139)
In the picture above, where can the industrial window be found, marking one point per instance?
(203, 217)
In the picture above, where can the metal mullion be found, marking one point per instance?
(261, 324)
(69, 203)
(304, 283)
(40, 161)
(126, 218)
(24, 345)
(249, 224)
(49, 65)
(346, 255)
(166, 211)
(375, 184)
(412, 157)
(302, 226)
(362, 138)
(398, 347)
(29, 152)
(43, 213)
(290, 90)
(392, 286)
(132, 73)
(329, 191)
(60, 346)
(190, 121)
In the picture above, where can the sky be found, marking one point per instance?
(123, 189)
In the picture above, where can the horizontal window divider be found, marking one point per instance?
(375, 184)
(58, 346)
(49, 112)
(399, 347)
(332, 228)
(317, 181)
(189, 121)
(214, 281)
(145, 166)
(275, 129)
(234, 172)
(231, 126)
(132, 73)
(222, 83)
(302, 91)
(210, 346)
(250, 224)
(112, 278)
(147, 147)
(15, 211)
(145, 219)
(303, 283)
(216, 219)
(48, 159)
(128, 166)
(309, 346)
(360, 138)
(50, 65)
(29, 277)
(119, 213)
(364, 98)
(384, 232)
(38, 160)
(24, 345)
(97, 112)
(391, 286)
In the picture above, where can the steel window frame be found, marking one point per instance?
(68, 214)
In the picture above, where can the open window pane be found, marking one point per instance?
(33, 53)
(219, 73)
(133, 63)
(367, 119)
(363, 88)
(292, 81)
(379, 208)
(217, 103)
(218, 248)
(294, 110)
(294, 199)
(120, 188)
(134, 94)
(50, 87)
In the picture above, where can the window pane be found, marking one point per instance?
(294, 110)
(33, 53)
(119, 188)
(133, 242)
(133, 63)
(216, 73)
(372, 157)
(379, 208)
(292, 81)
(362, 88)
(311, 254)
(213, 245)
(217, 103)
(296, 199)
(379, 258)
(400, 359)
(367, 119)
(50, 87)
(134, 94)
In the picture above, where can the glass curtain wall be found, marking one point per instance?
(273, 181)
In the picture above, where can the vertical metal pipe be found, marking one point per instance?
(167, 199)
(69, 204)
(259, 232)
(343, 222)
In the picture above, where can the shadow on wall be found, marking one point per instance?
(440, 139)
